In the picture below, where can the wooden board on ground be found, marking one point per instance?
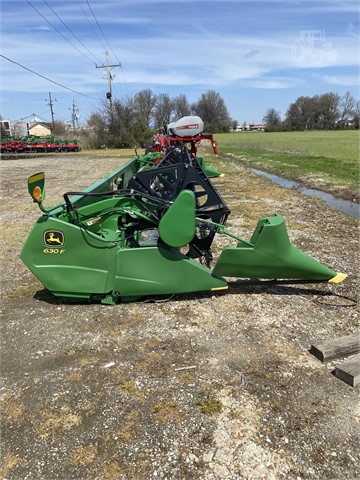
(349, 371)
(336, 348)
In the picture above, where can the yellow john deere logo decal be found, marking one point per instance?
(54, 237)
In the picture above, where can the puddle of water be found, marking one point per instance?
(351, 208)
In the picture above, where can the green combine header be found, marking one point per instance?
(147, 228)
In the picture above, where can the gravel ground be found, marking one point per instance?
(204, 386)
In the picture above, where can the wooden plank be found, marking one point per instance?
(349, 371)
(337, 347)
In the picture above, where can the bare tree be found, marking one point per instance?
(329, 104)
(163, 110)
(144, 103)
(356, 114)
(97, 135)
(213, 111)
(59, 129)
(181, 107)
(272, 117)
(347, 106)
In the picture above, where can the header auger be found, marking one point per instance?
(147, 228)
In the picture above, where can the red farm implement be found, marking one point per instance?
(34, 144)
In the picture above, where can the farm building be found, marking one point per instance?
(39, 129)
(21, 129)
(253, 127)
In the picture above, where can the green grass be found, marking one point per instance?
(329, 156)
(329, 143)
(210, 405)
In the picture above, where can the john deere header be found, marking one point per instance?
(147, 229)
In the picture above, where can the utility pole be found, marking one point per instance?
(50, 103)
(109, 76)
(74, 115)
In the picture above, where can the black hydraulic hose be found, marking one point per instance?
(115, 193)
(128, 193)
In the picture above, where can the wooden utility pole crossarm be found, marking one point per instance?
(109, 77)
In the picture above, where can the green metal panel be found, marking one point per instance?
(76, 263)
(210, 172)
(272, 256)
(177, 226)
(160, 270)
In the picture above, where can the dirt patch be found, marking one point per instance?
(202, 387)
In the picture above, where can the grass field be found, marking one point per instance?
(327, 158)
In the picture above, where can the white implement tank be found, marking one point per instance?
(188, 126)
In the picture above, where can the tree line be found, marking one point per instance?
(320, 112)
(133, 121)
(129, 122)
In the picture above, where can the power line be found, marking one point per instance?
(126, 86)
(46, 78)
(72, 33)
(33, 115)
(58, 31)
(101, 30)
(92, 28)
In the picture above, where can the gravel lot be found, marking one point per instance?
(203, 386)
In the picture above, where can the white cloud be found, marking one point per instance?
(40, 28)
(343, 80)
(195, 60)
(274, 82)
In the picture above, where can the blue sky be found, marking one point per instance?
(244, 50)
